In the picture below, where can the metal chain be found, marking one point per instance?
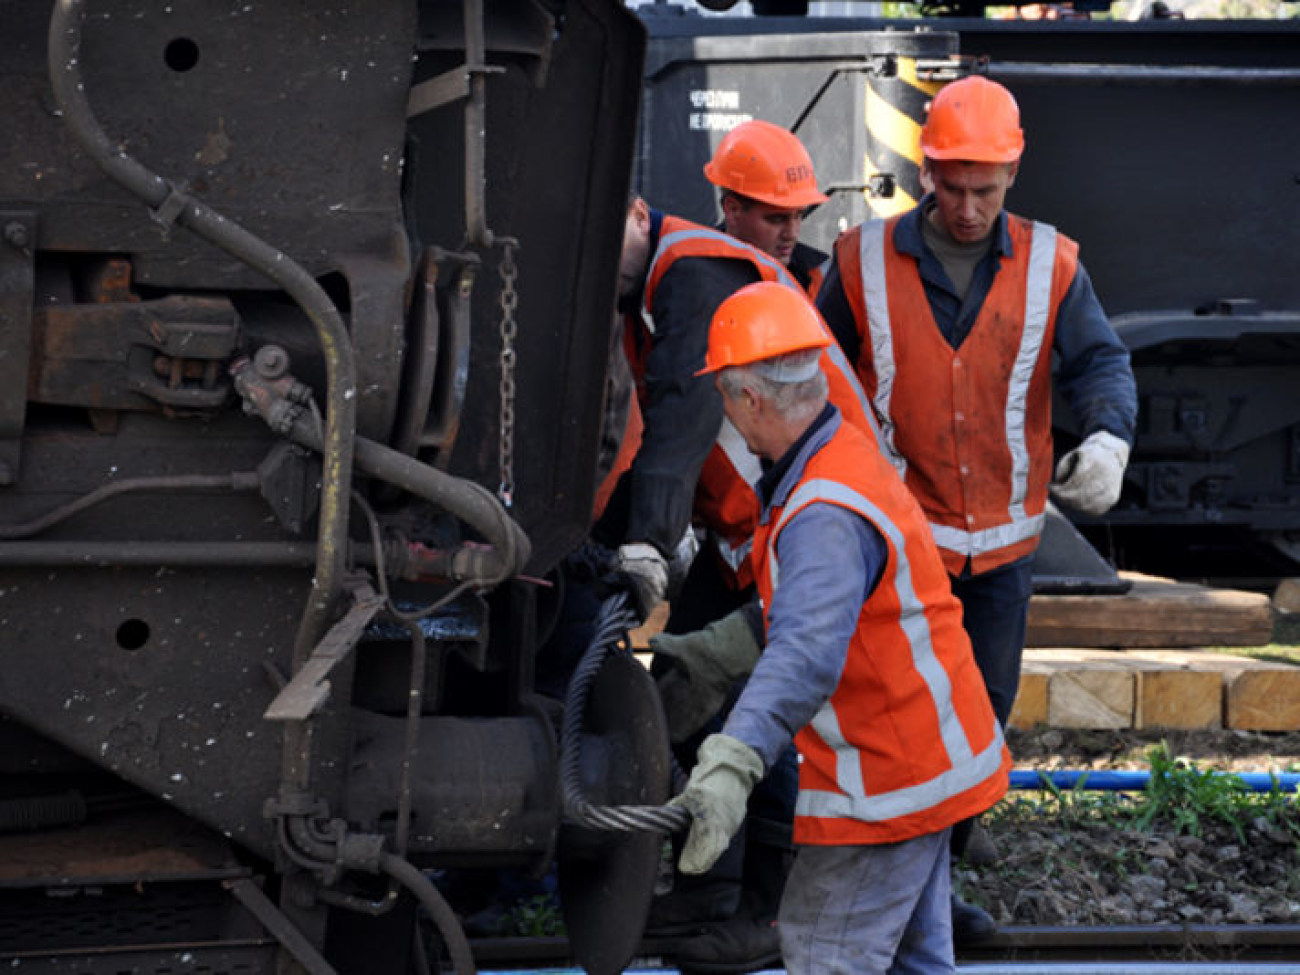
(509, 330)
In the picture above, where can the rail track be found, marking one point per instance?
(1258, 949)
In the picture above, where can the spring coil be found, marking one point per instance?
(612, 623)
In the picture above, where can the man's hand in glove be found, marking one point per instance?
(1090, 476)
(715, 796)
(703, 667)
(647, 572)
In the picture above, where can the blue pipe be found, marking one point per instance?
(1101, 780)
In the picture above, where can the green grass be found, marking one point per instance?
(1187, 796)
(1285, 647)
(1181, 796)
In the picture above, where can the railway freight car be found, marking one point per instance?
(1164, 146)
(305, 312)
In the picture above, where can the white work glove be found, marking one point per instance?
(646, 571)
(1090, 476)
(715, 796)
(705, 665)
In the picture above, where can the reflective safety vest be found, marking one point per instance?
(970, 428)
(907, 744)
(725, 499)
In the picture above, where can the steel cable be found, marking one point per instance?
(612, 623)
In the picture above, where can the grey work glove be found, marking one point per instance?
(1089, 478)
(646, 571)
(704, 666)
(715, 796)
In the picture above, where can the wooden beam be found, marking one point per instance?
(1030, 708)
(1177, 697)
(1260, 699)
(1153, 613)
(1258, 695)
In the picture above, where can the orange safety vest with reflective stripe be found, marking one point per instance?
(907, 744)
(970, 428)
(725, 499)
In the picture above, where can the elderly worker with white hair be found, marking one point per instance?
(865, 667)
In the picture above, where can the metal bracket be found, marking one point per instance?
(309, 688)
(167, 354)
(275, 921)
(17, 289)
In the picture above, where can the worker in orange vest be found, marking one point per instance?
(673, 274)
(766, 186)
(766, 183)
(953, 312)
(865, 666)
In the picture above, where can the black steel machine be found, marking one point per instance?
(304, 322)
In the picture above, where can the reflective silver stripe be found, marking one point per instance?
(871, 256)
(737, 452)
(783, 275)
(703, 233)
(916, 629)
(902, 802)
(1038, 300)
(734, 557)
(988, 539)
(841, 364)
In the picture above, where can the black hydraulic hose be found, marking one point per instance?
(453, 935)
(170, 203)
(237, 481)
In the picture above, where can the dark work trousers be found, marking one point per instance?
(995, 608)
(707, 595)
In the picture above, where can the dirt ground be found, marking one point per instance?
(1238, 751)
(1081, 869)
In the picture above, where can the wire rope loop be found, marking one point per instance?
(612, 623)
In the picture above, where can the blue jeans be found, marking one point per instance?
(995, 607)
(869, 910)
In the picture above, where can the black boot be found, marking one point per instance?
(971, 925)
(690, 908)
(749, 942)
(696, 903)
(740, 945)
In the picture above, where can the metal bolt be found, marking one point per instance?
(16, 234)
(271, 361)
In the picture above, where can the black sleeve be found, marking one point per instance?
(834, 306)
(682, 412)
(1094, 373)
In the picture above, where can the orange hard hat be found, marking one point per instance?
(761, 321)
(975, 120)
(767, 163)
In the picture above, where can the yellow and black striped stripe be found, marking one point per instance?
(895, 112)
